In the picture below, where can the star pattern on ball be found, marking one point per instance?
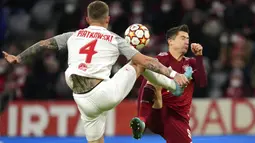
(143, 40)
(131, 34)
(137, 35)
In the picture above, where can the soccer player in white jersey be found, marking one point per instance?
(91, 54)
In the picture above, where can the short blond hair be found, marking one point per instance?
(97, 10)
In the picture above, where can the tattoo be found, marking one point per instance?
(154, 65)
(83, 84)
(38, 47)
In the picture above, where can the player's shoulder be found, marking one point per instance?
(75, 31)
(115, 35)
(162, 55)
(72, 34)
(64, 36)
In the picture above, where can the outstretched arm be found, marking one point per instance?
(148, 62)
(37, 48)
(54, 43)
(154, 65)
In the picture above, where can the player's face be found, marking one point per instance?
(181, 42)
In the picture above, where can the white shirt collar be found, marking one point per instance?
(96, 27)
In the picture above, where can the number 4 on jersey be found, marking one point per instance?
(89, 50)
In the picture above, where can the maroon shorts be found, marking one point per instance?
(170, 125)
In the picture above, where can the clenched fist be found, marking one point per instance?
(197, 49)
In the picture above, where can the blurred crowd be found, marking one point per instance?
(225, 28)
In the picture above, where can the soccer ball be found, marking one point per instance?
(137, 35)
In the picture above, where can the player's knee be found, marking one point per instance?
(157, 104)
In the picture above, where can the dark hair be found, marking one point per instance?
(97, 10)
(172, 32)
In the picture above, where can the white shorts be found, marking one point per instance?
(94, 105)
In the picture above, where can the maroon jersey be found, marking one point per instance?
(180, 104)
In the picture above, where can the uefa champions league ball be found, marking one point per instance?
(137, 35)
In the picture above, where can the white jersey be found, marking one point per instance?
(93, 51)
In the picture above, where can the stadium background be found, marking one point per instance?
(35, 101)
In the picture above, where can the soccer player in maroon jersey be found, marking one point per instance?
(158, 109)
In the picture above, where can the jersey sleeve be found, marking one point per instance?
(62, 39)
(125, 48)
(199, 74)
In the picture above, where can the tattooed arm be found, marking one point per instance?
(37, 48)
(56, 43)
(154, 65)
(151, 64)
(148, 62)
